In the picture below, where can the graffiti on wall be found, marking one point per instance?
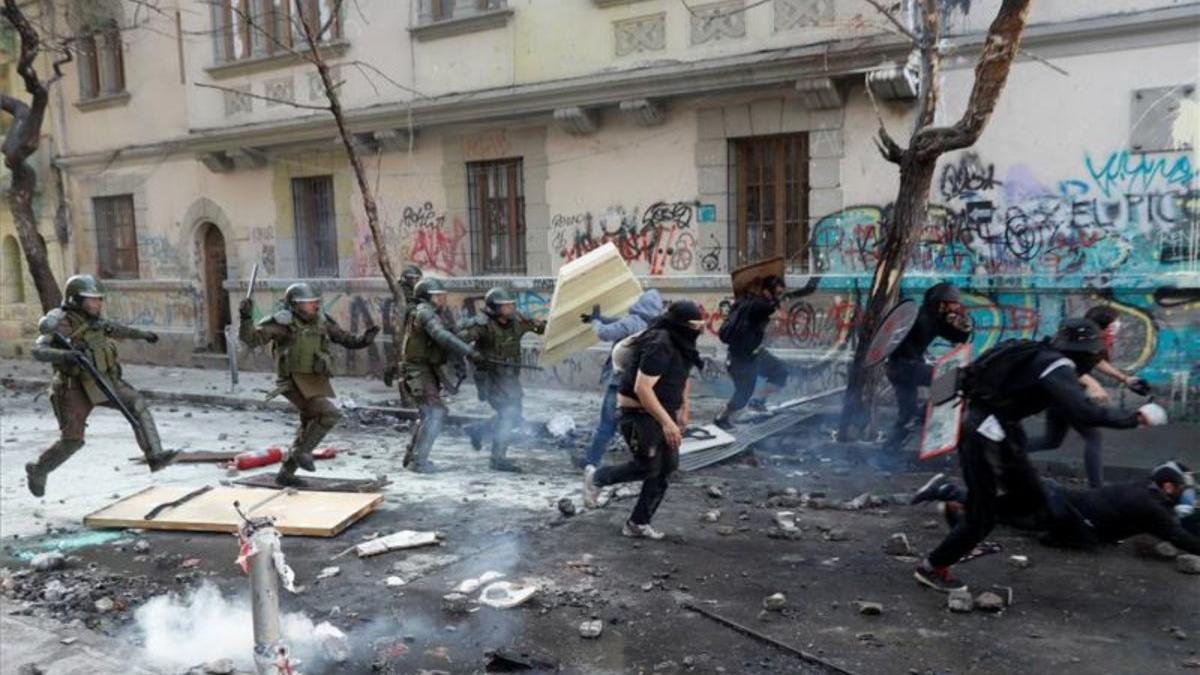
(433, 243)
(659, 240)
(1122, 214)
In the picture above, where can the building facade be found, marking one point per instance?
(508, 137)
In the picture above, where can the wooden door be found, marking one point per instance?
(216, 300)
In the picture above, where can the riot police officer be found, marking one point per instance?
(496, 333)
(74, 391)
(299, 336)
(428, 344)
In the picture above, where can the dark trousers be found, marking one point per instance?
(1093, 446)
(745, 371)
(905, 377)
(653, 462)
(607, 427)
(991, 470)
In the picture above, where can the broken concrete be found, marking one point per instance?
(960, 600)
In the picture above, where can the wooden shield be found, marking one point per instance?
(749, 276)
(892, 331)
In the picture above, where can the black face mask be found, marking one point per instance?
(683, 338)
(1085, 362)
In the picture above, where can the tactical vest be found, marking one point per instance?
(418, 347)
(92, 335)
(307, 350)
(502, 342)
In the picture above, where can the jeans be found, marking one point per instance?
(653, 462)
(1056, 431)
(606, 429)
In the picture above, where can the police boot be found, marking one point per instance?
(287, 475)
(499, 461)
(410, 456)
(147, 439)
(301, 450)
(431, 428)
(50, 459)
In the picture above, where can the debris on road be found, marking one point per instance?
(472, 585)
(561, 425)
(745, 630)
(394, 582)
(591, 629)
(456, 603)
(989, 602)
(868, 608)
(775, 602)
(960, 600)
(898, 545)
(49, 561)
(333, 641)
(395, 542)
(714, 491)
(1188, 563)
(1166, 550)
(507, 594)
(512, 661)
(711, 516)
(786, 521)
(566, 507)
(329, 572)
(1019, 561)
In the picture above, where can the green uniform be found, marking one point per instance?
(499, 385)
(73, 391)
(429, 344)
(303, 366)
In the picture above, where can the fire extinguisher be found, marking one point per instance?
(257, 458)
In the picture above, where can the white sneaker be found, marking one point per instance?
(591, 493)
(641, 531)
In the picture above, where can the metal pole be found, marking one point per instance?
(231, 350)
(264, 601)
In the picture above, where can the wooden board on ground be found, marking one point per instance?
(198, 457)
(944, 419)
(314, 514)
(599, 277)
(705, 438)
(318, 483)
(746, 435)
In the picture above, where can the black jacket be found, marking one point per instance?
(1121, 510)
(752, 324)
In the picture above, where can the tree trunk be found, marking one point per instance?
(20, 200)
(916, 180)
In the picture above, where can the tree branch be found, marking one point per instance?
(931, 62)
(887, 145)
(991, 72)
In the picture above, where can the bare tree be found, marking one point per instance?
(917, 163)
(22, 141)
(314, 32)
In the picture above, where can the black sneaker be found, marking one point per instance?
(937, 578)
(930, 491)
(504, 465)
(290, 480)
(725, 423)
(476, 436)
(757, 405)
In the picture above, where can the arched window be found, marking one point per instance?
(13, 281)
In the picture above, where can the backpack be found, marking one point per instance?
(984, 379)
(732, 326)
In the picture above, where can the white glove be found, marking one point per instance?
(1152, 415)
(1184, 510)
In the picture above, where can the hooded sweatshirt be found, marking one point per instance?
(648, 306)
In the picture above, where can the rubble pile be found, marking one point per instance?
(81, 597)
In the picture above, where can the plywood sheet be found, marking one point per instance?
(599, 277)
(705, 438)
(316, 514)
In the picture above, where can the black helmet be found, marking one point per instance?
(684, 311)
(1102, 315)
(1079, 336)
(299, 292)
(942, 292)
(79, 287)
(411, 274)
(495, 297)
(427, 288)
(1172, 472)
